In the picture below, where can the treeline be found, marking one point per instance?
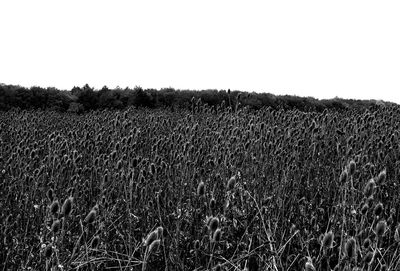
(86, 98)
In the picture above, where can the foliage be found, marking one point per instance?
(105, 98)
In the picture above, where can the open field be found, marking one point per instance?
(207, 188)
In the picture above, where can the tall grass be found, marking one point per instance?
(206, 188)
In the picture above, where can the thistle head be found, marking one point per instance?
(67, 207)
(197, 245)
(54, 208)
(151, 237)
(352, 167)
(212, 204)
(55, 227)
(378, 210)
(231, 183)
(364, 209)
(370, 188)
(397, 234)
(369, 201)
(201, 189)
(154, 245)
(214, 224)
(343, 177)
(217, 235)
(50, 195)
(327, 241)
(350, 248)
(367, 243)
(382, 177)
(91, 217)
(309, 266)
(48, 251)
(160, 232)
(368, 258)
(380, 228)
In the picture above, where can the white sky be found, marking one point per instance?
(324, 49)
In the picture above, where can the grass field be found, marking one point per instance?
(201, 189)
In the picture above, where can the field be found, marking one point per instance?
(211, 188)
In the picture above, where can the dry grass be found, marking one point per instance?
(210, 188)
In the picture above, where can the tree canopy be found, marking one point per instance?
(86, 98)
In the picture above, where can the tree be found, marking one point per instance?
(76, 108)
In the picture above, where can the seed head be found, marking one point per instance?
(154, 245)
(134, 162)
(364, 209)
(197, 245)
(350, 248)
(382, 177)
(48, 251)
(151, 238)
(96, 208)
(352, 167)
(327, 241)
(367, 243)
(343, 177)
(214, 224)
(212, 204)
(309, 266)
(217, 235)
(368, 257)
(397, 234)
(91, 217)
(95, 242)
(55, 227)
(370, 188)
(152, 169)
(50, 195)
(231, 183)
(201, 189)
(263, 210)
(378, 210)
(380, 228)
(54, 207)
(9, 219)
(160, 232)
(119, 165)
(67, 207)
(370, 200)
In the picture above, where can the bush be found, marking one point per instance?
(76, 108)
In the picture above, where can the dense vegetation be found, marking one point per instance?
(83, 99)
(200, 188)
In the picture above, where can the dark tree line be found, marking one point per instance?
(86, 98)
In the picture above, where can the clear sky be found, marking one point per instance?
(349, 49)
